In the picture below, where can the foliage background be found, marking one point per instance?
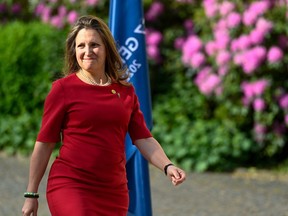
(198, 130)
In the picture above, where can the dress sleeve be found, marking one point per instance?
(137, 126)
(53, 116)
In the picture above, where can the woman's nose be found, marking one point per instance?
(88, 49)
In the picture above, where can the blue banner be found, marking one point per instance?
(126, 22)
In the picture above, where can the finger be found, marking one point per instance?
(182, 174)
(178, 174)
(177, 181)
(174, 181)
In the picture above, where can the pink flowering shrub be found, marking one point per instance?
(246, 40)
(153, 41)
(10, 11)
(59, 14)
(63, 13)
(235, 55)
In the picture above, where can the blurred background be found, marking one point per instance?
(218, 69)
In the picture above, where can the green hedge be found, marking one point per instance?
(31, 57)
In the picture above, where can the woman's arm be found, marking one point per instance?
(38, 164)
(153, 152)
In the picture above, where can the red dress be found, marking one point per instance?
(89, 177)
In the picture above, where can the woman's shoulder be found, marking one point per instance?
(65, 80)
(129, 88)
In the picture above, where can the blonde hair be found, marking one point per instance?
(114, 66)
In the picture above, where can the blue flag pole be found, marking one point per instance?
(126, 22)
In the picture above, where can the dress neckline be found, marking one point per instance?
(88, 84)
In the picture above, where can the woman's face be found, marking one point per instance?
(90, 51)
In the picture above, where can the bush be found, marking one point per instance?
(232, 108)
(31, 57)
(194, 138)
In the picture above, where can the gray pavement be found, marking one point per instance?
(206, 194)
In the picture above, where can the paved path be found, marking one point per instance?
(208, 194)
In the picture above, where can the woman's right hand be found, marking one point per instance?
(30, 207)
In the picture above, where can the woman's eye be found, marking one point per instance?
(95, 45)
(80, 45)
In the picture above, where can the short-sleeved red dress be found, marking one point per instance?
(89, 177)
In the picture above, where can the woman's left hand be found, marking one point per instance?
(176, 175)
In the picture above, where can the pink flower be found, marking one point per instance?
(251, 59)
(256, 36)
(197, 59)
(244, 42)
(210, 84)
(249, 18)
(202, 75)
(260, 52)
(57, 21)
(153, 52)
(62, 11)
(211, 48)
(222, 39)
(259, 128)
(259, 104)
(245, 101)
(188, 24)
(178, 43)
(16, 8)
(223, 57)
(234, 45)
(192, 45)
(223, 70)
(238, 59)
(211, 8)
(247, 89)
(259, 7)
(185, 58)
(39, 9)
(72, 17)
(259, 132)
(274, 55)
(249, 62)
(282, 2)
(233, 20)
(46, 13)
(221, 24)
(259, 86)
(155, 10)
(153, 37)
(254, 89)
(264, 25)
(226, 7)
(218, 90)
(221, 33)
(283, 102)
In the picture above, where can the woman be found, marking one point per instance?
(92, 108)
